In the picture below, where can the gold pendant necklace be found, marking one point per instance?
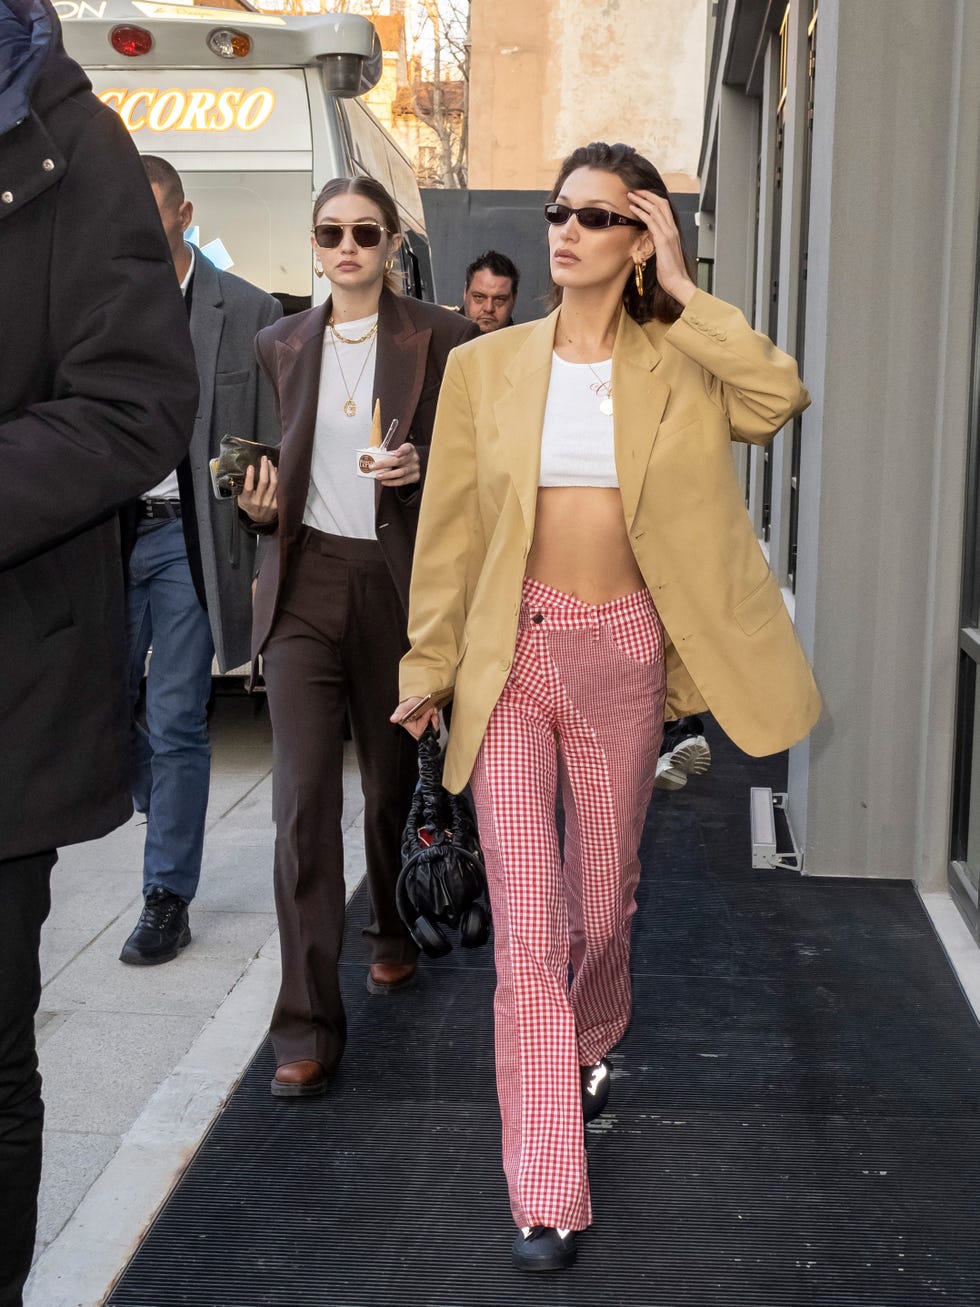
(350, 406)
(602, 391)
(352, 340)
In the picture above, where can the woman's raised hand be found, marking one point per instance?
(259, 499)
(671, 271)
(404, 468)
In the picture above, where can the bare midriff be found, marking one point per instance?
(581, 546)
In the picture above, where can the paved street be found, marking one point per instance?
(136, 1061)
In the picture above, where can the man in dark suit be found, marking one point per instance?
(97, 399)
(189, 581)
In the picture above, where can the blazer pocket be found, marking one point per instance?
(760, 606)
(231, 378)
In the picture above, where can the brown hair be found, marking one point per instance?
(376, 193)
(638, 174)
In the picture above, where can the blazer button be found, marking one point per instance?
(538, 617)
(7, 197)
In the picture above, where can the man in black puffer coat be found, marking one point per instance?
(98, 391)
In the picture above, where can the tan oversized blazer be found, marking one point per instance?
(681, 394)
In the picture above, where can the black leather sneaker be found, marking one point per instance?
(540, 1248)
(595, 1089)
(161, 931)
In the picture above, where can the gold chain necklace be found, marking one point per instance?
(350, 405)
(352, 340)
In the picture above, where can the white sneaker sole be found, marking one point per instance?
(668, 777)
(692, 757)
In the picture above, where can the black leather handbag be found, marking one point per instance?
(235, 456)
(442, 884)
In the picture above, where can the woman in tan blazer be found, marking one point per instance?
(583, 555)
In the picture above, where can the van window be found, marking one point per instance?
(378, 155)
(369, 146)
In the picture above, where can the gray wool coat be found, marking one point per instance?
(236, 399)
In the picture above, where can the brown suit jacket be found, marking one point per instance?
(414, 341)
(682, 393)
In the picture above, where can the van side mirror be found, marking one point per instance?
(352, 72)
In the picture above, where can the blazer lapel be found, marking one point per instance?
(639, 399)
(519, 413)
(400, 369)
(298, 364)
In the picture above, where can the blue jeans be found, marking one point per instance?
(172, 755)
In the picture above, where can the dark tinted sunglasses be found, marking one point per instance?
(592, 219)
(367, 235)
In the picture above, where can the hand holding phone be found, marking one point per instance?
(416, 718)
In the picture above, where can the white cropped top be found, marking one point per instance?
(577, 436)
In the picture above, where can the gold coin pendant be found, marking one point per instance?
(350, 408)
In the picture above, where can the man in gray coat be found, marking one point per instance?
(189, 580)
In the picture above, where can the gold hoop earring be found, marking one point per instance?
(318, 267)
(638, 278)
(389, 264)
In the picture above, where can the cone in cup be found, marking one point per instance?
(374, 457)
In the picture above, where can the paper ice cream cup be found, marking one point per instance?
(371, 460)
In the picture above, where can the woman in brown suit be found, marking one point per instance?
(585, 554)
(331, 602)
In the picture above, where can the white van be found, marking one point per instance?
(255, 111)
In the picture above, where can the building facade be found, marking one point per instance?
(840, 169)
(549, 76)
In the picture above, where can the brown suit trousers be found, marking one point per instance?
(334, 647)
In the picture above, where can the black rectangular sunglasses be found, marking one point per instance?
(367, 235)
(593, 219)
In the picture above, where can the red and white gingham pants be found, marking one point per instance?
(584, 705)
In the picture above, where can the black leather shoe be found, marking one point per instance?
(540, 1248)
(161, 931)
(595, 1089)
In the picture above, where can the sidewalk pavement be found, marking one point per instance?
(136, 1061)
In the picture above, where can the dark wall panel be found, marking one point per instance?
(462, 224)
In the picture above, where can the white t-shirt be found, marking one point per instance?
(168, 488)
(577, 436)
(340, 502)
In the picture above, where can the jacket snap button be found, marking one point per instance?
(7, 197)
(48, 165)
(538, 617)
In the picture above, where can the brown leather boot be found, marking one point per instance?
(386, 977)
(300, 1080)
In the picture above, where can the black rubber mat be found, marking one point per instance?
(795, 1116)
